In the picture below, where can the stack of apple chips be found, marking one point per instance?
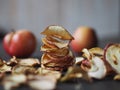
(57, 54)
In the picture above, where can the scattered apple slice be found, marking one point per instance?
(86, 54)
(97, 51)
(75, 72)
(112, 56)
(29, 62)
(43, 71)
(23, 70)
(4, 67)
(94, 64)
(13, 81)
(98, 69)
(78, 60)
(38, 82)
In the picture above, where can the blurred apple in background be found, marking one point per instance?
(21, 43)
(84, 37)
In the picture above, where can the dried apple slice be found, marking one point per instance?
(44, 40)
(57, 42)
(4, 67)
(75, 72)
(97, 51)
(46, 48)
(23, 70)
(14, 81)
(29, 62)
(57, 31)
(98, 69)
(64, 53)
(86, 54)
(90, 54)
(23, 61)
(94, 65)
(61, 61)
(78, 60)
(38, 82)
(112, 56)
(46, 58)
(59, 52)
(12, 62)
(43, 71)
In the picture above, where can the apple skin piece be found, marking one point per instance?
(21, 43)
(112, 56)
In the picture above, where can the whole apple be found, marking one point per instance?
(84, 37)
(21, 43)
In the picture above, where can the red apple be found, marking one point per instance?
(84, 37)
(21, 43)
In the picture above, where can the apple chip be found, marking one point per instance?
(14, 81)
(59, 52)
(75, 72)
(57, 31)
(78, 60)
(86, 54)
(13, 61)
(94, 64)
(43, 71)
(40, 82)
(29, 62)
(57, 62)
(4, 67)
(18, 69)
(23, 61)
(44, 40)
(97, 51)
(98, 69)
(46, 48)
(57, 42)
(112, 56)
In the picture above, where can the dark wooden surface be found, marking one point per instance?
(107, 84)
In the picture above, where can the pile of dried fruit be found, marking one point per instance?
(96, 63)
(57, 54)
(27, 72)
